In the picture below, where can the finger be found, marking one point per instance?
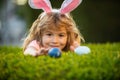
(43, 51)
(72, 48)
(75, 44)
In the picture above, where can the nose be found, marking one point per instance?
(55, 39)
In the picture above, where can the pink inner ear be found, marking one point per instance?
(70, 6)
(42, 4)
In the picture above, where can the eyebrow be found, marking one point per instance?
(52, 31)
(49, 31)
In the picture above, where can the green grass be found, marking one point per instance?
(103, 63)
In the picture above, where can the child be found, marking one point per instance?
(53, 28)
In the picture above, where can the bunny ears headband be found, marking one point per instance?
(66, 7)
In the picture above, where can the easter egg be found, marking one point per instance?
(82, 50)
(54, 52)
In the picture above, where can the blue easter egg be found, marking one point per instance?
(54, 52)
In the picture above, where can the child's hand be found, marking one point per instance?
(74, 45)
(34, 52)
(42, 51)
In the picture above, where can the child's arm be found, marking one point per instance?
(34, 52)
(33, 49)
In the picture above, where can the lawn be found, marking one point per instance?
(103, 63)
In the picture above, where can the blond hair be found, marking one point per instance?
(46, 21)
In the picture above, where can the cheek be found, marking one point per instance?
(64, 41)
(45, 41)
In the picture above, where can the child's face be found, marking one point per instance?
(54, 38)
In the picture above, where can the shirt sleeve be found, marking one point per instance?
(34, 44)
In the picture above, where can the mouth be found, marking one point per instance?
(54, 46)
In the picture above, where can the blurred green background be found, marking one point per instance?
(98, 20)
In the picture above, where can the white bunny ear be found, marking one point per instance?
(41, 4)
(69, 5)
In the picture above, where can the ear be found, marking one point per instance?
(69, 5)
(41, 4)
